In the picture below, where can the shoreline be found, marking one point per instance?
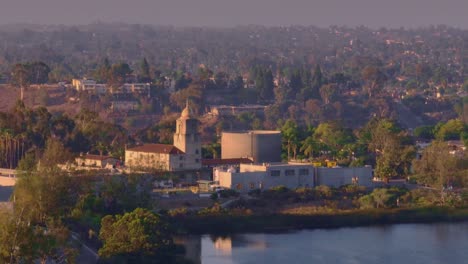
(234, 224)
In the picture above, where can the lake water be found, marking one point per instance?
(445, 243)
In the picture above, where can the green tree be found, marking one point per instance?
(144, 71)
(390, 146)
(139, 237)
(20, 77)
(38, 72)
(43, 196)
(451, 130)
(290, 134)
(333, 136)
(424, 132)
(374, 80)
(379, 198)
(309, 145)
(317, 82)
(328, 92)
(438, 168)
(102, 74)
(117, 74)
(266, 89)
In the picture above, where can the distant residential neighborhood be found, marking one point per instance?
(111, 133)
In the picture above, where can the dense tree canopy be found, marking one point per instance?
(139, 236)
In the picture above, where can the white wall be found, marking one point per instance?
(336, 177)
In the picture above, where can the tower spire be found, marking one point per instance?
(187, 112)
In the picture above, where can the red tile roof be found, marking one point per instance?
(218, 162)
(157, 148)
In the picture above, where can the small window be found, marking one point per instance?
(181, 158)
(275, 173)
(252, 185)
(197, 161)
(181, 165)
(196, 151)
(303, 172)
(290, 173)
(239, 186)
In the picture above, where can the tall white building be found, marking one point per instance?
(187, 138)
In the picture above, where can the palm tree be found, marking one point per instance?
(309, 145)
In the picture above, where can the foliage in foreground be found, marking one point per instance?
(137, 237)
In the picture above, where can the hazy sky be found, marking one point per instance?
(222, 13)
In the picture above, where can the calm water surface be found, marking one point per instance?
(411, 243)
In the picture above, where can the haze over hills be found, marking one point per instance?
(222, 13)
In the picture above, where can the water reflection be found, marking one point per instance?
(225, 244)
(428, 244)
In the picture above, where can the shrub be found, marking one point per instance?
(214, 196)
(255, 192)
(177, 212)
(228, 193)
(382, 198)
(305, 193)
(278, 193)
(366, 202)
(323, 192)
(280, 189)
(353, 190)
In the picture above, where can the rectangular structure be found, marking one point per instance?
(264, 176)
(336, 177)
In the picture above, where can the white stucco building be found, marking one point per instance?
(184, 155)
(247, 177)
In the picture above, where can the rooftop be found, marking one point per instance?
(218, 162)
(157, 148)
(254, 132)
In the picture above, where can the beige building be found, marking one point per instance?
(137, 87)
(338, 176)
(89, 85)
(247, 177)
(264, 176)
(155, 156)
(185, 154)
(97, 161)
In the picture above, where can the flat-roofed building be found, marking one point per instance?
(138, 88)
(339, 176)
(98, 161)
(89, 86)
(247, 177)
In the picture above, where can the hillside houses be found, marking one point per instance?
(92, 86)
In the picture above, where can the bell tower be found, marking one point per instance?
(187, 138)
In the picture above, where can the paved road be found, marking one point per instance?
(5, 193)
(86, 254)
